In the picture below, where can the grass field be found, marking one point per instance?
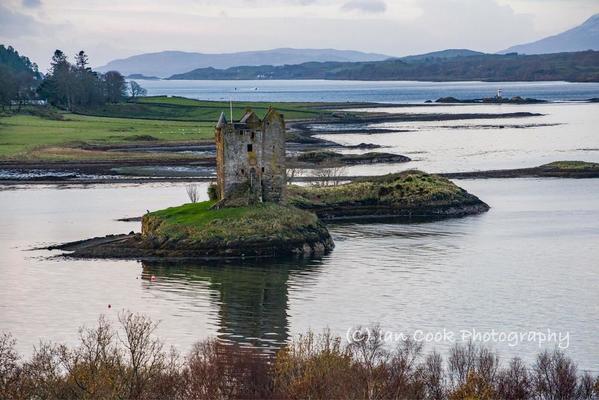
(156, 119)
(184, 109)
(27, 136)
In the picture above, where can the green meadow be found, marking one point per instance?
(51, 135)
(28, 136)
(184, 109)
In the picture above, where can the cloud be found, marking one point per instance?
(109, 30)
(32, 3)
(369, 6)
(15, 24)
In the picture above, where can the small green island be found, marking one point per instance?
(254, 212)
(199, 230)
(406, 195)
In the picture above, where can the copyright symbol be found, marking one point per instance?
(357, 335)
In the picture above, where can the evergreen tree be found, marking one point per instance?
(18, 77)
(77, 86)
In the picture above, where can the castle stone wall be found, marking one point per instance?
(250, 157)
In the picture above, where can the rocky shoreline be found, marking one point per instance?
(378, 212)
(136, 246)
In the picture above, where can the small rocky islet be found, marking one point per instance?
(294, 227)
(200, 230)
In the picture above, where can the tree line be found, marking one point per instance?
(76, 86)
(70, 86)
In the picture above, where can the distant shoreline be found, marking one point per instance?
(580, 66)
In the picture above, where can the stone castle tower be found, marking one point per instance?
(250, 157)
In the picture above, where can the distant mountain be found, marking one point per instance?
(575, 67)
(167, 63)
(449, 53)
(581, 38)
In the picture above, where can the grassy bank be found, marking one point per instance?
(130, 362)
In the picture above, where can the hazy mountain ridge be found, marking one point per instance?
(167, 63)
(575, 67)
(581, 38)
(449, 53)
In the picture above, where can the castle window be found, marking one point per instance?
(250, 148)
(242, 171)
(262, 169)
(253, 135)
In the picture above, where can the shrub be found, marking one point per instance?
(131, 363)
(213, 192)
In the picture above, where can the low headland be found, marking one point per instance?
(556, 169)
(491, 100)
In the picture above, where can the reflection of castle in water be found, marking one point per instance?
(252, 297)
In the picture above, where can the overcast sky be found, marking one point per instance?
(114, 29)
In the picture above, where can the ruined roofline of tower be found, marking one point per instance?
(249, 113)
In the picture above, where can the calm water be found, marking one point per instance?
(528, 265)
(359, 91)
(564, 132)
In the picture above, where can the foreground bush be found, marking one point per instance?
(131, 363)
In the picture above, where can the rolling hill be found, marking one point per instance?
(449, 53)
(167, 63)
(576, 67)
